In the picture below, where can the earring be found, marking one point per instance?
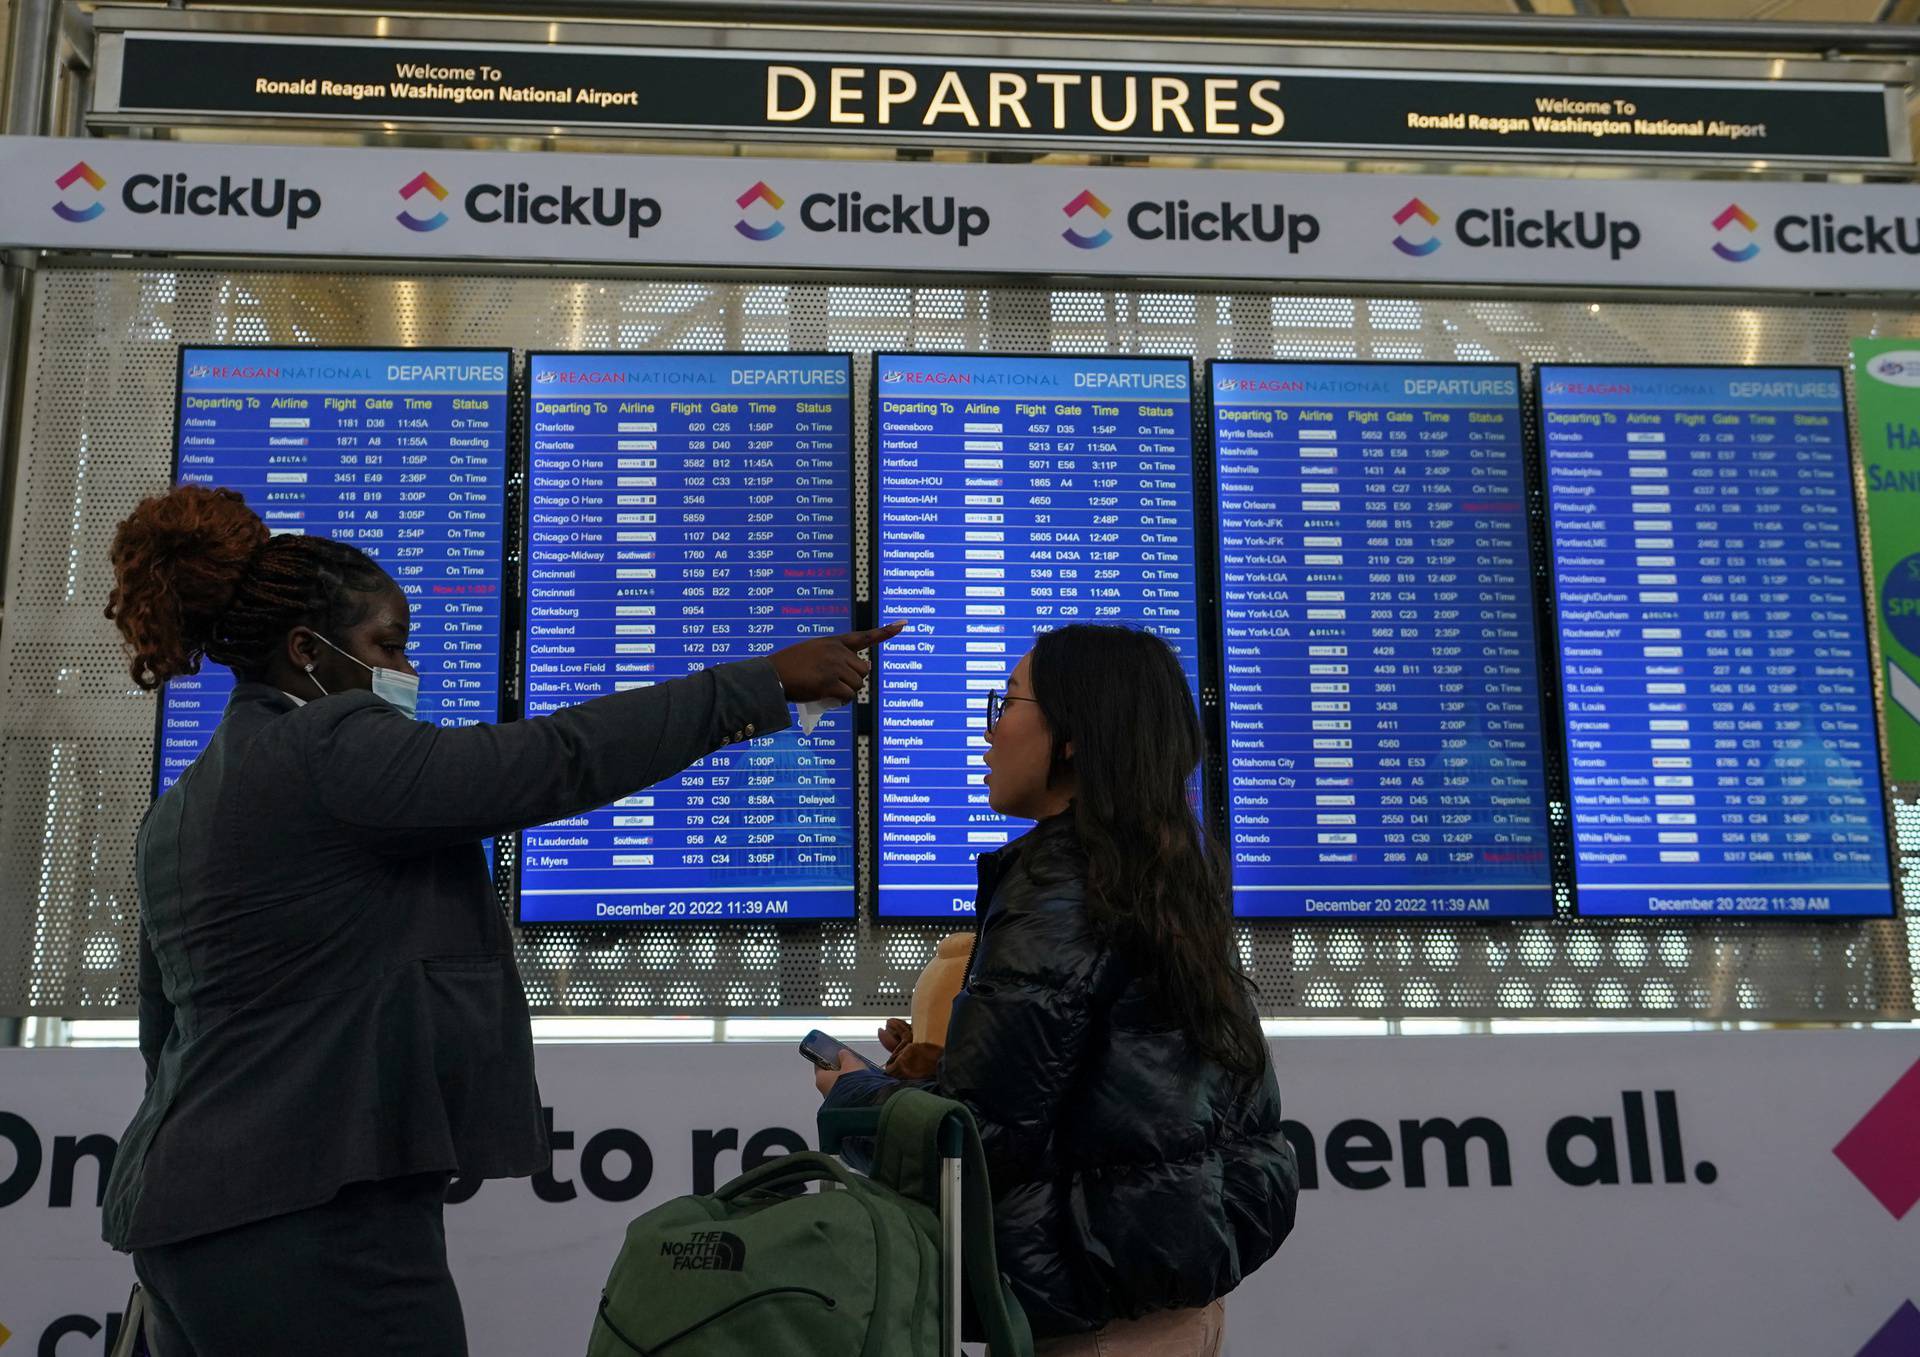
(309, 669)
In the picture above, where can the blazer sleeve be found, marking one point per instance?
(410, 784)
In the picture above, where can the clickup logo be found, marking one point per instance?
(760, 193)
(423, 183)
(1415, 208)
(1735, 215)
(80, 171)
(1087, 202)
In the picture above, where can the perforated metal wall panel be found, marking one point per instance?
(76, 737)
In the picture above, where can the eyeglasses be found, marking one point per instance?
(997, 703)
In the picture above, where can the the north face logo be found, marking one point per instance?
(1883, 1151)
(707, 1251)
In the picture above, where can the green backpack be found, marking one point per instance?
(754, 1270)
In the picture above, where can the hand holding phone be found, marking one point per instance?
(825, 1051)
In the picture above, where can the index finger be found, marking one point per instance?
(860, 640)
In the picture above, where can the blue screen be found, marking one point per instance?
(1721, 746)
(685, 510)
(1013, 495)
(1383, 728)
(400, 452)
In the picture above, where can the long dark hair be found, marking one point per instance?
(196, 574)
(1158, 883)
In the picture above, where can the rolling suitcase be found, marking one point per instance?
(952, 1137)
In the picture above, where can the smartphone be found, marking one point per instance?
(824, 1051)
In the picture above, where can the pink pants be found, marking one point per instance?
(1172, 1333)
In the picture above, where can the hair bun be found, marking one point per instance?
(178, 559)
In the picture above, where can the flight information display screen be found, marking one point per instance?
(1383, 726)
(684, 510)
(1721, 746)
(1012, 495)
(400, 452)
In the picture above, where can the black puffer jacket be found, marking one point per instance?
(1130, 1174)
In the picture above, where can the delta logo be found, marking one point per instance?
(81, 172)
(1087, 201)
(761, 192)
(1736, 215)
(1417, 248)
(423, 183)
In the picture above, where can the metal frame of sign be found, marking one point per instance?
(1536, 404)
(862, 837)
(1200, 582)
(930, 62)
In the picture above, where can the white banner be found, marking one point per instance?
(1563, 1195)
(169, 197)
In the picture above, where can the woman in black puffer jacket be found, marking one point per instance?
(1105, 1038)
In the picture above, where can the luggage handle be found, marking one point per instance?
(806, 1166)
(912, 1118)
(863, 1123)
(847, 1123)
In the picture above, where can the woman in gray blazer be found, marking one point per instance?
(329, 1008)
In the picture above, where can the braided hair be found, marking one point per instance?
(197, 575)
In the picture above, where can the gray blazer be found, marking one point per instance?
(327, 987)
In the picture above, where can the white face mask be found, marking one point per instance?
(390, 685)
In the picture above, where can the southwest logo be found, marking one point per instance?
(1736, 215)
(423, 183)
(759, 193)
(1080, 204)
(67, 181)
(1415, 208)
